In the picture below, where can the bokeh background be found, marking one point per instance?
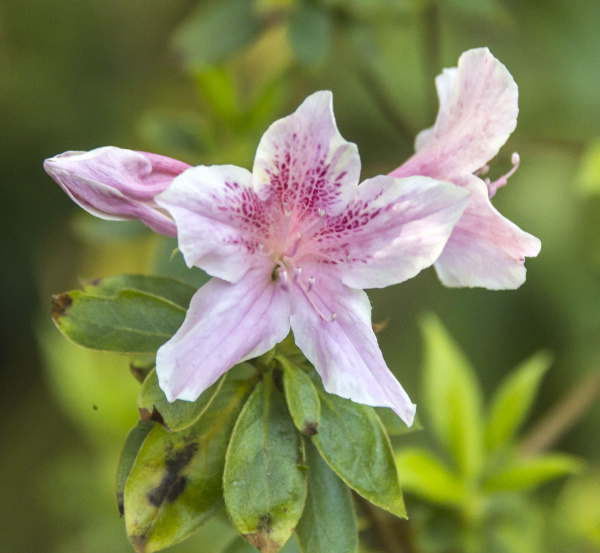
(201, 81)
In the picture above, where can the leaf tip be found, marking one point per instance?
(310, 428)
(60, 306)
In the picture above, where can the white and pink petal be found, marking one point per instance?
(304, 164)
(478, 112)
(225, 324)
(344, 351)
(392, 230)
(221, 222)
(485, 249)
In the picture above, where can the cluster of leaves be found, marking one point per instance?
(265, 440)
(481, 473)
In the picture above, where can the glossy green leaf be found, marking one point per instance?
(521, 474)
(328, 524)
(514, 398)
(452, 398)
(176, 291)
(353, 442)
(131, 322)
(310, 33)
(132, 446)
(425, 475)
(175, 483)
(302, 399)
(216, 31)
(265, 476)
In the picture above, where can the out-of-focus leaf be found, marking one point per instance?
(328, 524)
(353, 441)
(589, 171)
(216, 31)
(302, 399)
(132, 446)
(521, 474)
(175, 483)
(452, 398)
(176, 291)
(94, 231)
(514, 398)
(394, 425)
(310, 33)
(169, 261)
(130, 322)
(217, 88)
(178, 415)
(425, 475)
(264, 484)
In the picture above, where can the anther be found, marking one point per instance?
(321, 212)
(333, 316)
(283, 280)
(297, 273)
(493, 186)
(311, 283)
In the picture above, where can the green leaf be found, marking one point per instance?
(130, 322)
(310, 33)
(176, 291)
(178, 415)
(452, 398)
(353, 442)
(241, 546)
(425, 475)
(216, 31)
(175, 483)
(521, 474)
(132, 446)
(302, 399)
(589, 171)
(265, 476)
(328, 524)
(513, 400)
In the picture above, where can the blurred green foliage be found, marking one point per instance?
(200, 81)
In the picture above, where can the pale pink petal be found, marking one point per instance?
(117, 184)
(221, 222)
(345, 351)
(485, 249)
(392, 230)
(225, 324)
(303, 163)
(478, 112)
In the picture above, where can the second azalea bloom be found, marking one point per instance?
(478, 112)
(292, 244)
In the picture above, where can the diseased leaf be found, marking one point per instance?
(132, 446)
(328, 523)
(130, 322)
(310, 33)
(302, 399)
(242, 546)
(176, 291)
(424, 475)
(452, 398)
(514, 398)
(175, 483)
(353, 442)
(521, 474)
(265, 476)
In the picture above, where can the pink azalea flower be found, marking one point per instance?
(292, 245)
(478, 112)
(118, 184)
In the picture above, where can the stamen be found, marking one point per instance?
(297, 273)
(295, 246)
(283, 280)
(503, 180)
(311, 283)
(321, 212)
(311, 301)
(333, 316)
(482, 170)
